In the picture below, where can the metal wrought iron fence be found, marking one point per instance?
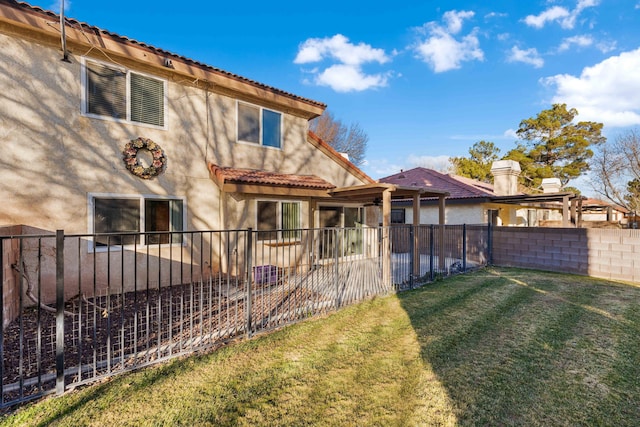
(423, 253)
(77, 308)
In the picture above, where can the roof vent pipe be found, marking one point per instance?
(63, 34)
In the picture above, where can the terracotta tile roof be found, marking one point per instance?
(90, 28)
(458, 187)
(259, 177)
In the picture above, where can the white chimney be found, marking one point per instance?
(551, 185)
(505, 177)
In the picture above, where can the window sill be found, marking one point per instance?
(280, 244)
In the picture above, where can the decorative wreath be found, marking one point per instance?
(130, 157)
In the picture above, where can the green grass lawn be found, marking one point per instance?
(495, 347)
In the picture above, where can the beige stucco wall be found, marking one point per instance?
(53, 156)
(469, 214)
(454, 214)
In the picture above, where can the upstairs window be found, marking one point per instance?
(260, 126)
(116, 93)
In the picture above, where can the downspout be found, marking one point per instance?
(63, 34)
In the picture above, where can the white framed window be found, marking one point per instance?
(115, 93)
(277, 220)
(257, 125)
(115, 213)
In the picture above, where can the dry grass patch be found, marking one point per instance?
(496, 347)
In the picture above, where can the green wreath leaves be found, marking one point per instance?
(130, 157)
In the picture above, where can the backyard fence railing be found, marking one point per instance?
(79, 307)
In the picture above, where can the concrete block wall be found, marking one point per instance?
(604, 253)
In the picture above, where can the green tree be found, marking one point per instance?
(478, 165)
(554, 146)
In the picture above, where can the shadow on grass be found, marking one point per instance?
(516, 347)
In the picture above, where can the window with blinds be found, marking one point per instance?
(277, 220)
(120, 94)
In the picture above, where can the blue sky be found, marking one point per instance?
(424, 79)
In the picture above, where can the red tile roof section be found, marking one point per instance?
(458, 187)
(259, 177)
(90, 28)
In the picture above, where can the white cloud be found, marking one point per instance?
(442, 50)
(552, 14)
(565, 17)
(495, 15)
(607, 46)
(347, 74)
(378, 168)
(438, 163)
(338, 47)
(580, 41)
(510, 133)
(454, 19)
(346, 78)
(527, 56)
(608, 92)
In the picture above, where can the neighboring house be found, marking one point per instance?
(594, 213)
(600, 211)
(475, 202)
(469, 201)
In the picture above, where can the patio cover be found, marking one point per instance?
(253, 181)
(537, 200)
(384, 193)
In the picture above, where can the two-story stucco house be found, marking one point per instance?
(123, 136)
(104, 134)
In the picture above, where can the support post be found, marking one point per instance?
(412, 261)
(415, 272)
(464, 247)
(386, 241)
(336, 259)
(59, 311)
(441, 223)
(249, 277)
(565, 211)
(431, 249)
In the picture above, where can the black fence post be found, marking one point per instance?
(249, 262)
(60, 311)
(412, 245)
(464, 247)
(336, 256)
(490, 243)
(2, 322)
(431, 249)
